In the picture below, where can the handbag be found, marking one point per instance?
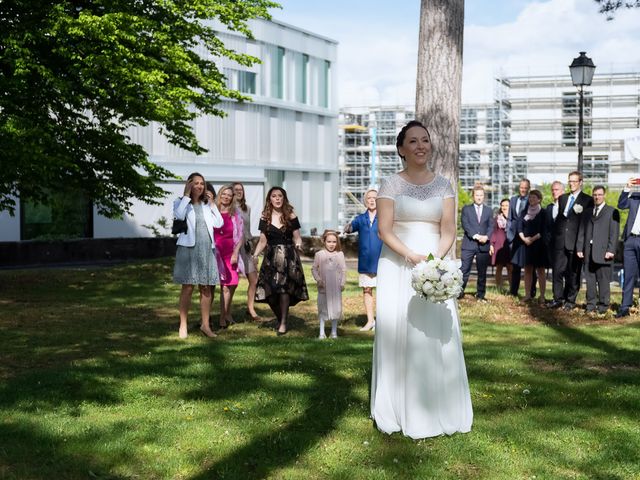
(179, 226)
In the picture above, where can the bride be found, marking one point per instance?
(419, 383)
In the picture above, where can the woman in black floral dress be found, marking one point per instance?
(281, 281)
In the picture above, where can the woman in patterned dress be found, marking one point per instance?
(195, 257)
(281, 281)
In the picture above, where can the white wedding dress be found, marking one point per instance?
(419, 384)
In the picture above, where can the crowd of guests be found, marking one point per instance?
(419, 382)
(575, 235)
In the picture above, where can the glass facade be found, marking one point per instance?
(67, 215)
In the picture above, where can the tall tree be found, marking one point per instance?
(439, 80)
(610, 7)
(75, 74)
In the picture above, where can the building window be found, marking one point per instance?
(570, 118)
(469, 126)
(519, 170)
(277, 74)
(247, 82)
(324, 84)
(595, 169)
(275, 178)
(67, 215)
(304, 73)
(469, 167)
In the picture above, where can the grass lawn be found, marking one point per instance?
(96, 384)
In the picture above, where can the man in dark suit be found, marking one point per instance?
(551, 213)
(518, 204)
(567, 265)
(477, 223)
(597, 243)
(631, 253)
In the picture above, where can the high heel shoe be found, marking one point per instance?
(367, 328)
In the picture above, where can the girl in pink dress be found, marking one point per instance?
(229, 240)
(329, 270)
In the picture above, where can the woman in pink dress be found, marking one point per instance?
(499, 249)
(229, 240)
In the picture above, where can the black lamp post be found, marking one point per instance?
(582, 69)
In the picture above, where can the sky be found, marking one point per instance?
(378, 42)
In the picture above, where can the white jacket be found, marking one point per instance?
(182, 208)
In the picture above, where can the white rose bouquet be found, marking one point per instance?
(437, 279)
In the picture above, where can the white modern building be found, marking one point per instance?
(286, 136)
(543, 125)
(530, 130)
(368, 150)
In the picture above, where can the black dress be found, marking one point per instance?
(281, 269)
(534, 254)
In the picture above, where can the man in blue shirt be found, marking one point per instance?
(369, 246)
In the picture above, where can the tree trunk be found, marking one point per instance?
(439, 81)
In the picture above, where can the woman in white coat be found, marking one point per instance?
(195, 256)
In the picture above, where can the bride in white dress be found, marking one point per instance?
(419, 383)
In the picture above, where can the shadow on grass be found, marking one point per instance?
(82, 358)
(202, 374)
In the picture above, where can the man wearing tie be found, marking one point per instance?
(567, 265)
(597, 243)
(477, 223)
(631, 252)
(518, 204)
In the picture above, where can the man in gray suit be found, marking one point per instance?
(597, 243)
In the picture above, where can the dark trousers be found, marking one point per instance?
(566, 275)
(631, 265)
(482, 262)
(598, 277)
(516, 274)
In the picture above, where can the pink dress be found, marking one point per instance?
(227, 237)
(331, 269)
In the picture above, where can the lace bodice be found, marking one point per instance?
(395, 186)
(416, 203)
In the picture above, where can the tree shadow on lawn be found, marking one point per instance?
(546, 386)
(568, 324)
(65, 390)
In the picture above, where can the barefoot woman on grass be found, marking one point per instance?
(195, 257)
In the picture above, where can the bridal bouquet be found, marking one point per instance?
(437, 279)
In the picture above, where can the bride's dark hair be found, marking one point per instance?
(403, 133)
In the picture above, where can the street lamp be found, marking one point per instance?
(582, 69)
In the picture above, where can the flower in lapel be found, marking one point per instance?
(577, 208)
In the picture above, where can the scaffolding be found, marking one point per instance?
(367, 152)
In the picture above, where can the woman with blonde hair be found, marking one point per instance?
(250, 270)
(229, 240)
